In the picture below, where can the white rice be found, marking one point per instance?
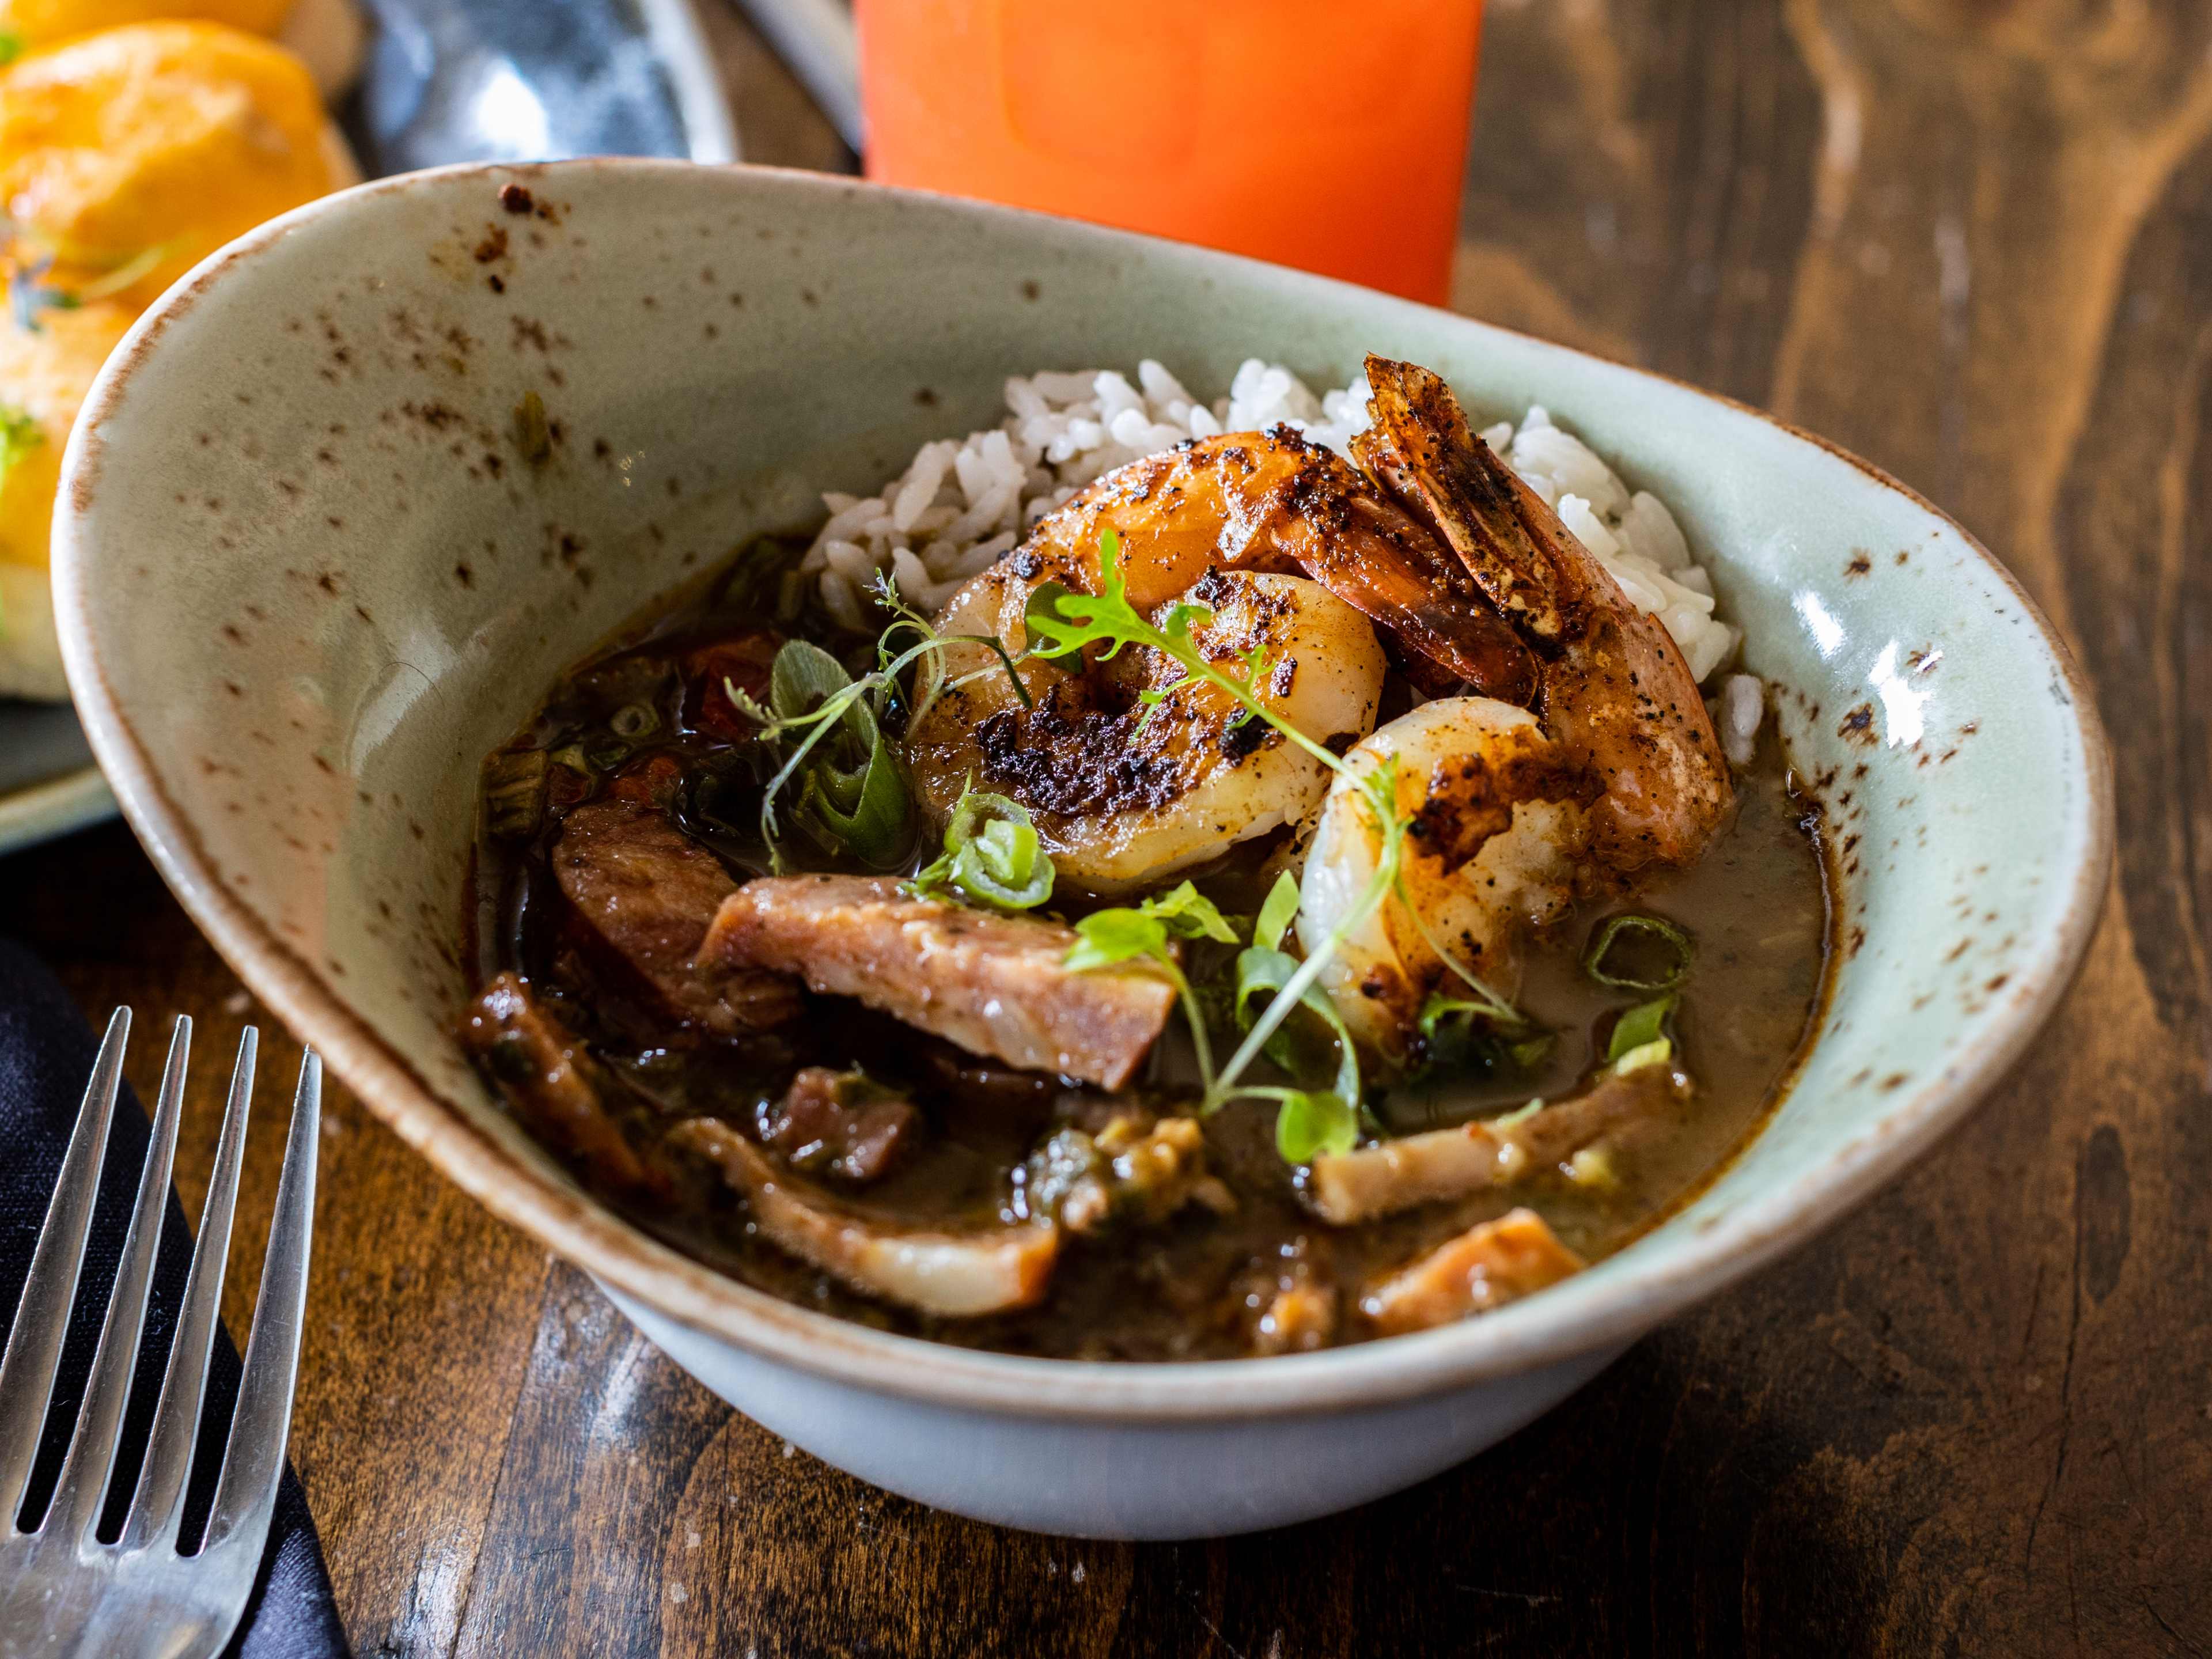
(964, 501)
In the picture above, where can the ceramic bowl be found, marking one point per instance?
(304, 584)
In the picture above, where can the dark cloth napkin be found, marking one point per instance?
(46, 1052)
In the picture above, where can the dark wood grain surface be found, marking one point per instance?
(1970, 239)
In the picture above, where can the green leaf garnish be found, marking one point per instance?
(992, 856)
(1189, 913)
(1109, 938)
(1309, 1125)
(862, 808)
(1262, 968)
(1061, 623)
(11, 47)
(852, 797)
(1617, 951)
(1148, 931)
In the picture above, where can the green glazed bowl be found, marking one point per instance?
(301, 594)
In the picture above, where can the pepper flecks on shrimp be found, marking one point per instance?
(1124, 792)
(1275, 502)
(1613, 683)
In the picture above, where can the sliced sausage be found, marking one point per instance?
(547, 1077)
(955, 1275)
(993, 984)
(647, 892)
(1485, 1267)
(1350, 1188)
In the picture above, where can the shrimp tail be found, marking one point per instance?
(1334, 525)
(1616, 686)
(1421, 449)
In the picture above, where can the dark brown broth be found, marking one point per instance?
(1191, 1287)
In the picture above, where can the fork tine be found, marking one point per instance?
(91, 1460)
(157, 1507)
(254, 1460)
(35, 1341)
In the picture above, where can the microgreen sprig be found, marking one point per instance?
(1060, 623)
(1146, 932)
(825, 701)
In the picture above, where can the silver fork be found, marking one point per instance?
(63, 1591)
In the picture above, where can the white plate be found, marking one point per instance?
(48, 784)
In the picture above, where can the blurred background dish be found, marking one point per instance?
(121, 166)
(490, 81)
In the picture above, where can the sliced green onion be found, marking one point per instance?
(1657, 1052)
(992, 855)
(852, 797)
(1646, 1023)
(1276, 915)
(802, 676)
(865, 813)
(1639, 931)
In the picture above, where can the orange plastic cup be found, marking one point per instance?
(1323, 134)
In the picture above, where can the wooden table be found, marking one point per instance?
(1970, 240)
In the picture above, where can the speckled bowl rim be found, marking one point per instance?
(1677, 1264)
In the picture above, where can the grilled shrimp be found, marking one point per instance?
(1122, 795)
(1612, 684)
(1274, 501)
(1512, 811)
(1496, 819)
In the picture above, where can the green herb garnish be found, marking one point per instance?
(1480, 1034)
(815, 710)
(1616, 950)
(1265, 966)
(11, 47)
(1146, 931)
(1309, 1125)
(1062, 623)
(991, 857)
(852, 797)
